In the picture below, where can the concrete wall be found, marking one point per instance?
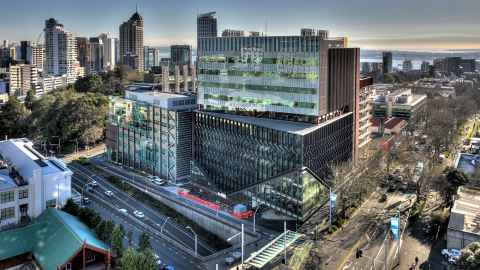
(218, 227)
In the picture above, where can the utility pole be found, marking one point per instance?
(242, 244)
(285, 241)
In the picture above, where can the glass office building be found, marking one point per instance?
(285, 76)
(275, 163)
(151, 131)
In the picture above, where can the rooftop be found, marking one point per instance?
(465, 213)
(297, 128)
(162, 99)
(53, 239)
(467, 163)
(6, 182)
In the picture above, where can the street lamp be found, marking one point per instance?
(163, 225)
(242, 234)
(254, 214)
(196, 239)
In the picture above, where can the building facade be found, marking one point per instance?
(96, 57)
(173, 78)
(279, 164)
(30, 182)
(206, 25)
(285, 76)
(152, 131)
(181, 55)
(23, 78)
(60, 51)
(131, 43)
(152, 57)
(387, 62)
(109, 51)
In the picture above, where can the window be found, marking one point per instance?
(51, 203)
(6, 197)
(23, 194)
(7, 213)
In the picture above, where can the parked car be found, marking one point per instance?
(89, 188)
(109, 193)
(138, 214)
(123, 210)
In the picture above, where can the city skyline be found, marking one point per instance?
(376, 25)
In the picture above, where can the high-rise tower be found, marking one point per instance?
(131, 43)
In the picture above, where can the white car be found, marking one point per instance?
(138, 214)
(93, 183)
(157, 259)
(123, 210)
(109, 193)
(448, 253)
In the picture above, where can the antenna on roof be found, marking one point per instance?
(136, 7)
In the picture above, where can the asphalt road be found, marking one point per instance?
(174, 255)
(152, 217)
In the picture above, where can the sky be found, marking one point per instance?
(369, 24)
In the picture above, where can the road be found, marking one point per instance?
(142, 183)
(107, 207)
(153, 218)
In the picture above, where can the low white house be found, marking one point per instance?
(29, 182)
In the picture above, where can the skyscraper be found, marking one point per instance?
(131, 43)
(26, 52)
(109, 53)
(407, 65)
(181, 55)
(38, 52)
(206, 25)
(60, 51)
(152, 57)
(96, 49)
(83, 51)
(387, 62)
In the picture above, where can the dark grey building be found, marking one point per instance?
(131, 43)
(206, 25)
(276, 163)
(387, 62)
(181, 55)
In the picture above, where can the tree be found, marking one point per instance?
(135, 260)
(144, 242)
(470, 257)
(117, 240)
(455, 179)
(71, 207)
(13, 119)
(90, 83)
(89, 217)
(29, 99)
(130, 237)
(109, 227)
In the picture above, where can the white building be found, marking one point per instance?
(60, 51)
(29, 182)
(109, 53)
(23, 78)
(50, 83)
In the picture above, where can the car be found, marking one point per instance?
(123, 210)
(453, 260)
(447, 253)
(138, 214)
(93, 183)
(157, 259)
(153, 178)
(159, 182)
(89, 188)
(86, 200)
(109, 193)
